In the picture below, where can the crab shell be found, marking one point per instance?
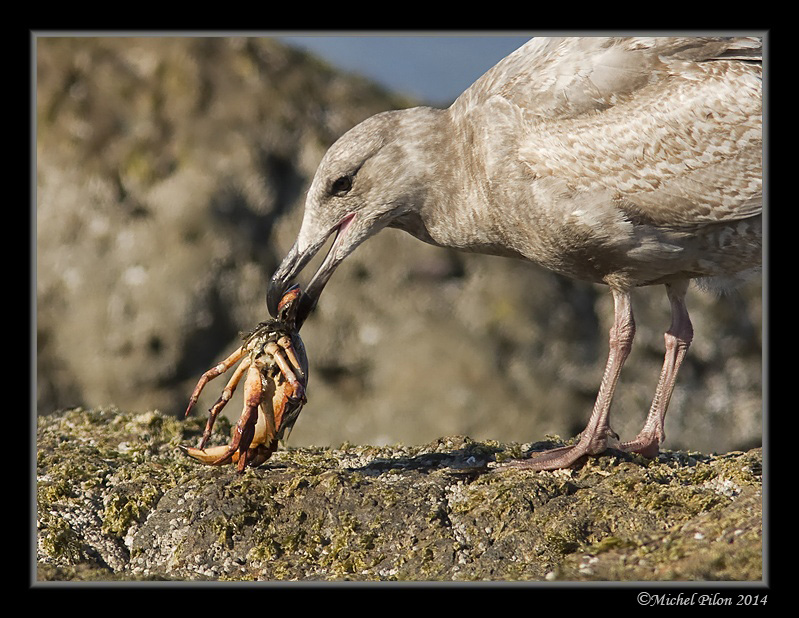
(278, 410)
(276, 367)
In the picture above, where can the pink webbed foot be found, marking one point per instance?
(554, 459)
(566, 456)
(644, 444)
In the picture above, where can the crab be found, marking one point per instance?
(274, 362)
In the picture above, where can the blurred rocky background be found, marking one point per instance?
(170, 181)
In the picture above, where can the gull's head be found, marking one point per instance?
(364, 182)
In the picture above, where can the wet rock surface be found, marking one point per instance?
(117, 500)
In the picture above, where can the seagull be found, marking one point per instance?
(624, 161)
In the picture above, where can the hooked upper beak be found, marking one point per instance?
(296, 260)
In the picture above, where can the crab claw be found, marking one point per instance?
(213, 456)
(209, 456)
(261, 434)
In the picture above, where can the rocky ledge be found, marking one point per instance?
(117, 500)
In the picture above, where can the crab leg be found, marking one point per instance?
(245, 427)
(212, 373)
(260, 454)
(227, 393)
(269, 424)
(286, 369)
(264, 437)
(219, 455)
(285, 343)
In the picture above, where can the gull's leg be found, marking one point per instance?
(678, 339)
(594, 439)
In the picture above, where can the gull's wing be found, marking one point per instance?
(669, 128)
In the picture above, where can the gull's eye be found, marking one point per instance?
(341, 185)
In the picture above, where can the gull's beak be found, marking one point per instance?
(296, 259)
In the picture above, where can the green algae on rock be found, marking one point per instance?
(117, 500)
